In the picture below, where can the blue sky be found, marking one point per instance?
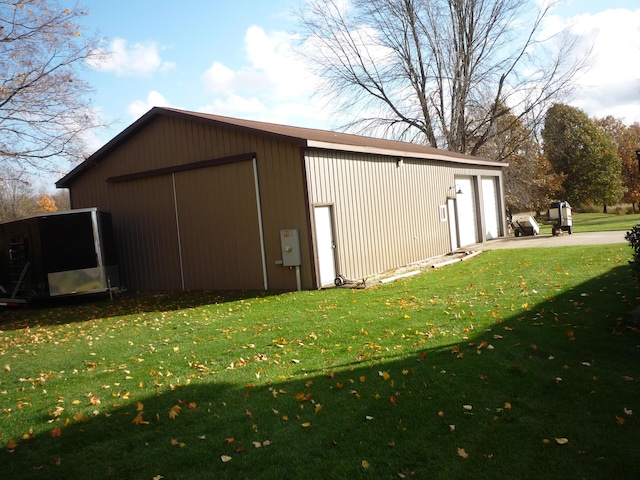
(234, 58)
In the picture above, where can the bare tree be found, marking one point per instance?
(16, 195)
(43, 106)
(437, 72)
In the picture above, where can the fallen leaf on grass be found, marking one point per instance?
(56, 432)
(620, 420)
(562, 441)
(627, 378)
(305, 424)
(138, 420)
(462, 453)
(174, 412)
(365, 464)
(225, 458)
(175, 442)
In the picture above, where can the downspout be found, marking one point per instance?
(260, 227)
(175, 204)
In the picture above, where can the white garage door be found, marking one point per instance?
(466, 210)
(490, 205)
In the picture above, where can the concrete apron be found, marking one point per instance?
(564, 240)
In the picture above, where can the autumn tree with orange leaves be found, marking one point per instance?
(627, 139)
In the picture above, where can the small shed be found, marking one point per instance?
(205, 202)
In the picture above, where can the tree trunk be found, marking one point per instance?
(604, 209)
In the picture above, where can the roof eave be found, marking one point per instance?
(405, 154)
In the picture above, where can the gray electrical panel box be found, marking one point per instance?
(290, 244)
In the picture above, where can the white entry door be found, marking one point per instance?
(325, 245)
(453, 223)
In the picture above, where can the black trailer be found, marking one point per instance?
(57, 254)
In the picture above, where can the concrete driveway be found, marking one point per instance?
(564, 240)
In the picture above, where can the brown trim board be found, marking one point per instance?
(182, 168)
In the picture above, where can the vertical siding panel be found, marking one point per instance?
(220, 243)
(386, 215)
(144, 217)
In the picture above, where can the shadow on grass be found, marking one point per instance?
(84, 308)
(490, 405)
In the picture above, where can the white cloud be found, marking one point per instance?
(611, 86)
(139, 107)
(131, 60)
(275, 85)
(235, 106)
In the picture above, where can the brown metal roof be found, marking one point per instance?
(304, 137)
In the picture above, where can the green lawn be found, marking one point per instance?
(593, 222)
(514, 364)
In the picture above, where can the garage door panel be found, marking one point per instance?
(466, 210)
(490, 207)
(219, 227)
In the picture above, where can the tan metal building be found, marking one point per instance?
(204, 202)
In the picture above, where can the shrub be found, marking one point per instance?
(633, 237)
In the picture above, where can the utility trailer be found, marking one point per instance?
(57, 254)
(524, 224)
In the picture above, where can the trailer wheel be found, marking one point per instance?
(517, 232)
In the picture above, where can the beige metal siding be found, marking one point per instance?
(386, 213)
(223, 196)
